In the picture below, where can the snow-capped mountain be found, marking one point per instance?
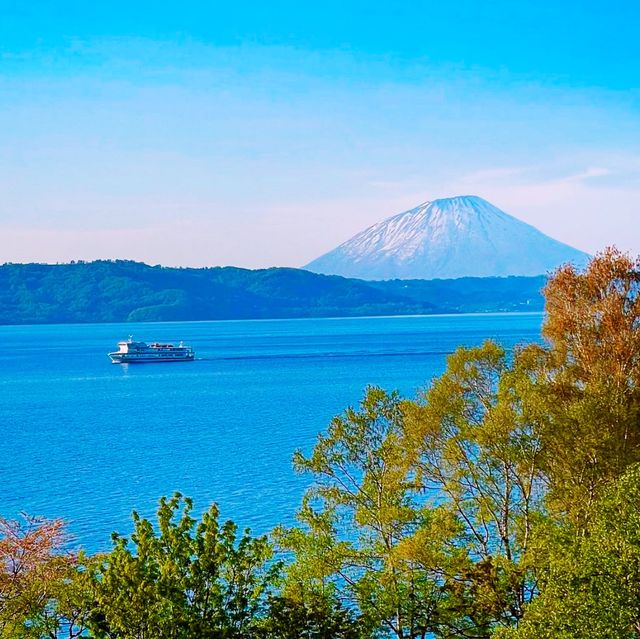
(452, 237)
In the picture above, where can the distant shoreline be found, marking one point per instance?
(281, 319)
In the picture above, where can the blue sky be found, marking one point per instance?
(259, 134)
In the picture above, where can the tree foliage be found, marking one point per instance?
(300, 614)
(591, 385)
(38, 578)
(185, 579)
(476, 454)
(356, 516)
(593, 579)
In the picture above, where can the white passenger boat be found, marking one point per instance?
(130, 352)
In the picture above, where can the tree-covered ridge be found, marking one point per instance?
(118, 291)
(501, 502)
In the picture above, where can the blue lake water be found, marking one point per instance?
(90, 441)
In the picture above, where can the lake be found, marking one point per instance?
(89, 441)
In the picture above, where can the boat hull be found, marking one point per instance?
(117, 358)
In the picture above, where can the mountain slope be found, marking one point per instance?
(463, 236)
(123, 291)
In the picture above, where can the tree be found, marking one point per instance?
(301, 614)
(356, 516)
(593, 578)
(473, 447)
(187, 579)
(591, 385)
(38, 596)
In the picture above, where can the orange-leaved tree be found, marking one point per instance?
(38, 580)
(592, 378)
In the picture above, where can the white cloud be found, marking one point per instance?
(589, 207)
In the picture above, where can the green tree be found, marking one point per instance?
(473, 447)
(302, 614)
(592, 582)
(357, 516)
(186, 579)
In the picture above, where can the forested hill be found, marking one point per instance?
(113, 291)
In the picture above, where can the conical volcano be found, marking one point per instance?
(462, 236)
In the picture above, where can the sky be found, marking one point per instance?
(264, 134)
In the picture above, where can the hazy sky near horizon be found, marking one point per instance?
(260, 134)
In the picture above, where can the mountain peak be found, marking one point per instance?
(451, 237)
(464, 205)
(458, 200)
